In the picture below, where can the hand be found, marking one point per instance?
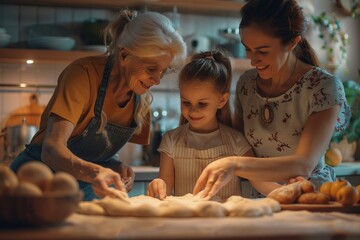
(127, 176)
(157, 188)
(104, 179)
(297, 179)
(215, 175)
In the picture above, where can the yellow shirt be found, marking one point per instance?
(74, 100)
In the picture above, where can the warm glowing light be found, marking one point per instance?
(29, 61)
(22, 84)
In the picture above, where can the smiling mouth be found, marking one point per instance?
(144, 85)
(262, 68)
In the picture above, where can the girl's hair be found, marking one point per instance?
(212, 67)
(283, 19)
(147, 34)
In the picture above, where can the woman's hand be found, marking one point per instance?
(157, 188)
(215, 175)
(104, 179)
(127, 176)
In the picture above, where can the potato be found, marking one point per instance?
(35, 172)
(8, 180)
(313, 198)
(63, 183)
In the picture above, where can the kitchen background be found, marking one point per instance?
(27, 27)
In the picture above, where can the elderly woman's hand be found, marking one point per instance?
(215, 175)
(127, 176)
(104, 179)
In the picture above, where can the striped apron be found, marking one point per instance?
(189, 164)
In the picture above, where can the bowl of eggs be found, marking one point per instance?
(36, 196)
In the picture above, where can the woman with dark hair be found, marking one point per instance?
(287, 106)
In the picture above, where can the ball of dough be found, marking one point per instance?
(8, 180)
(62, 184)
(26, 189)
(35, 172)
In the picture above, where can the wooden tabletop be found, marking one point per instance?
(283, 225)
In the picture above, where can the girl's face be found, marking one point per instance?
(267, 54)
(199, 103)
(143, 73)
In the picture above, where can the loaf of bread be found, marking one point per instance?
(313, 198)
(286, 194)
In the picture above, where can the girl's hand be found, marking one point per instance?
(215, 175)
(104, 179)
(157, 188)
(297, 179)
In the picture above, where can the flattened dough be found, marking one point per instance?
(179, 206)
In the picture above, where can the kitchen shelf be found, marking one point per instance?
(19, 55)
(207, 7)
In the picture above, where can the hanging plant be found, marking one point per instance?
(333, 35)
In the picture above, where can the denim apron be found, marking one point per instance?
(93, 145)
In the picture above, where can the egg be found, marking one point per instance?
(26, 189)
(35, 172)
(63, 183)
(8, 180)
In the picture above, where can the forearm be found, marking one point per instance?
(273, 169)
(60, 158)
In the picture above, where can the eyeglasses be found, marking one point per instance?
(155, 71)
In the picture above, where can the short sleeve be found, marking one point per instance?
(166, 145)
(327, 93)
(71, 97)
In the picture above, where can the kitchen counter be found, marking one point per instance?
(283, 225)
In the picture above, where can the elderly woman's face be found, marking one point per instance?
(143, 73)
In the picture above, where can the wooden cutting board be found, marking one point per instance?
(331, 207)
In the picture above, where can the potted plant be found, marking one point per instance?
(347, 140)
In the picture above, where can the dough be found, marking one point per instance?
(184, 206)
(90, 208)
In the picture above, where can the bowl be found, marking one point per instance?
(38, 211)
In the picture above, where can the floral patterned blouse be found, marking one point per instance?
(315, 91)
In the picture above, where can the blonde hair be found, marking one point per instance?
(146, 34)
(212, 67)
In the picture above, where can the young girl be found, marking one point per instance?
(205, 132)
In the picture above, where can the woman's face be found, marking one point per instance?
(199, 104)
(143, 73)
(267, 54)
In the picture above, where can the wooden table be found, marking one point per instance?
(283, 225)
